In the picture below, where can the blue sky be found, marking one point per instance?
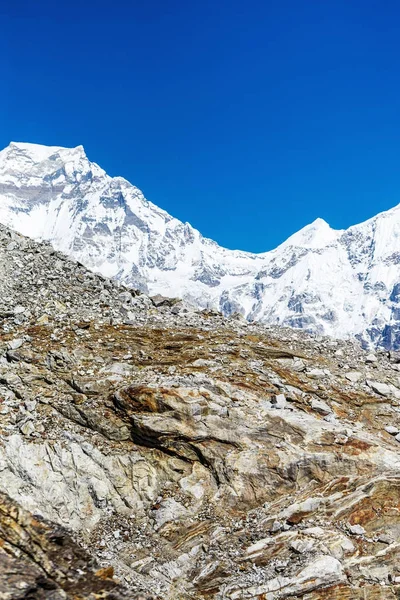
(249, 119)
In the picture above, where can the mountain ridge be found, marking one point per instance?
(335, 282)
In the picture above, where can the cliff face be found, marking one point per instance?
(184, 454)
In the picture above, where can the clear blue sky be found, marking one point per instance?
(248, 119)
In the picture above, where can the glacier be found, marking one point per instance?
(339, 283)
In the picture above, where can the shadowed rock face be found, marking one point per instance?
(39, 560)
(199, 457)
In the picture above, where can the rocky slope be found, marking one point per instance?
(339, 283)
(189, 456)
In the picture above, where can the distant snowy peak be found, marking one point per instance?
(317, 234)
(335, 282)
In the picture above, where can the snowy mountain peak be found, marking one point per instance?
(26, 154)
(46, 167)
(34, 152)
(335, 282)
(315, 235)
(38, 152)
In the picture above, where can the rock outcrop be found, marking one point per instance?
(40, 561)
(151, 451)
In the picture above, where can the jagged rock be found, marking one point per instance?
(356, 529)
(320, 407)
(370, 358)
(394, 357)
(279, 401)
(27, 428)
(15, 344)
(392, 430)
(323, 572)
(380, 388)
(159, 300)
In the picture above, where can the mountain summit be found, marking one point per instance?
(330, 282)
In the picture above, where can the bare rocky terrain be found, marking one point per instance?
(152, 451)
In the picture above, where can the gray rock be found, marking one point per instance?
(380, 388)
(298, 365)
(154, 441)
(15, 344)
(385, 539)
(30, 405)
(125, 297)
(320, 407)
(170, 510)
(353, 376)
(316, 373)
(18, 310)
(371, 358)
(278, 401)
(356, 529)
(159, 300)
(302, 546)
(27, 428)
(276, 526)
(394, 357)
(392, 430)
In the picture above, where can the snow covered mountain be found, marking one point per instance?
(330, 282)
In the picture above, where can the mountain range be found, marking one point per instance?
(329, 282)
(152, 451)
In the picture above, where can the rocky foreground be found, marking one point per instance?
(151, 451)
